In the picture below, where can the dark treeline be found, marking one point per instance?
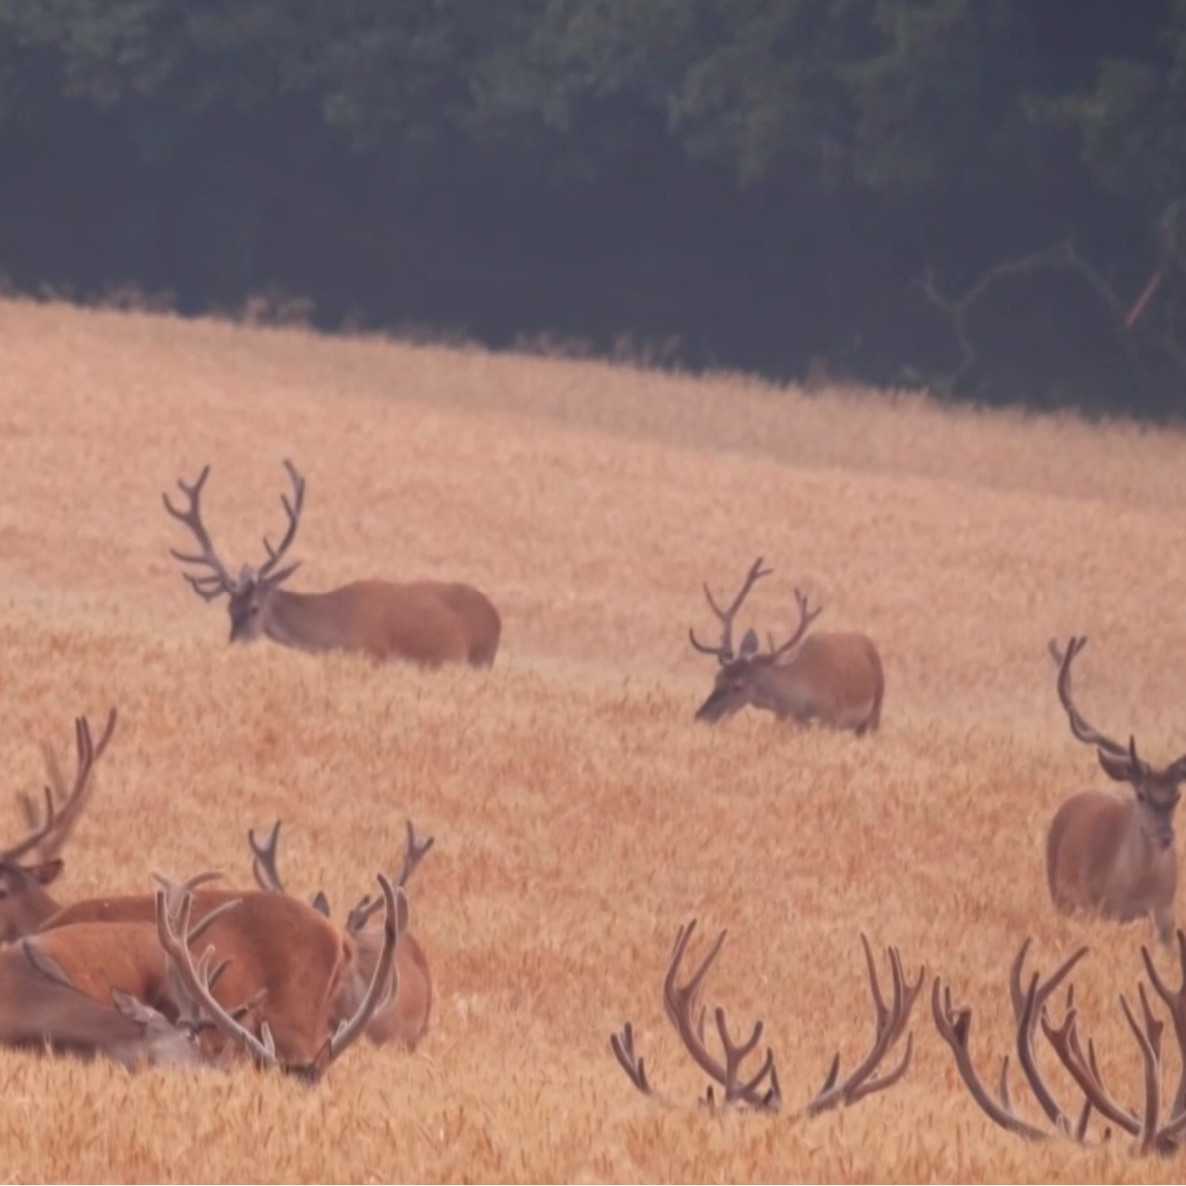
(984, 196)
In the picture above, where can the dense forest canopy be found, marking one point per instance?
(983, 196)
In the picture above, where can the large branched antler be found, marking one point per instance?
(293, 511)
(414, 853)
(724, 652)
(62, 813)
(218, 580)
(1079, 726)
(1030, 1011)
(760, 1089)
(267, 876)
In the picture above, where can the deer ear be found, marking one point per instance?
(47, 872)
(749, 645)
(1117, 766)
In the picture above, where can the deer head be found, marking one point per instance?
(251, 592)
(1157, 790)
(743, 675)
(24, 902)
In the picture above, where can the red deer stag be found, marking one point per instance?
(833, 678)
(426, 622)
(404, 1018)
(761, 1089)
(1115, 857)
(24, 902)
(1151, 1132)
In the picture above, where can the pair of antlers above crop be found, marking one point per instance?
(761, 1089)
(267, 875)
(218, 580)
(1029, 1010)
(749, 644)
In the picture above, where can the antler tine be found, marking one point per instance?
(806, 617)
(263, 861)
(218, 580)
(60, 819)
(889, 1022)
(293, 510)
(680, 1001)
(1085, 1071)
(1034, 1003)
(735, 1055)
(195, 982)
(1079, 726)
(384, 983)
(954, 1027)
(634, 1065)
(725, 651)
(1175, 1002)
(1152, 1073)
(413, 854)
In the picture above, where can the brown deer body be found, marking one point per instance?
(404, 1018)
(85, 990)
(424, 622)
(1115, 857)
(835, 678)
(309, 968)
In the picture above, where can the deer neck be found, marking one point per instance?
(306, 621)
(1147, 871)
(778, 689)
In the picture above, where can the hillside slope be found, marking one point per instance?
(580, 814)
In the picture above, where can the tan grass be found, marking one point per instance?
(579, 813)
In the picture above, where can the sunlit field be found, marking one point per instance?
(580, 814)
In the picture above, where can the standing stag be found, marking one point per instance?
(833, 678)
(1112, 856)
(426, 622)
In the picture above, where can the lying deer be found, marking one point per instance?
(1152, 1133)
(760, 1089)
(427, 622)
(132, 992)
(404, 1019)
(315, 973)
(833, 678)
(1112, 856)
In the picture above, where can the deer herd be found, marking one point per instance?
(190, 973)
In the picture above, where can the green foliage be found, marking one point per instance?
(842, 148)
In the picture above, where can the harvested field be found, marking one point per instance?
(580, 814)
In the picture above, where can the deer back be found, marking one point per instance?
(385, 620)
(835, 677)
(481, 621)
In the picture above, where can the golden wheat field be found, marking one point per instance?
(580, 814)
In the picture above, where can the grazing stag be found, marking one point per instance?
(1111, 856)
(833, 678)
(426, 622)
(1151, 1132)
(761, 1089)
(404, 1018)
(24, 902)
